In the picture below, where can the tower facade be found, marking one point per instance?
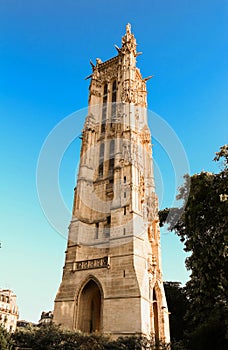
(112, 279)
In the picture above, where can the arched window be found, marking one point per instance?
(104, 107)
(111, 166)
(111, 157)
(101, 160)
(105, 95)
(112, 148)
(114, 91)
(102, 151)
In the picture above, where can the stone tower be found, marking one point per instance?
(112, 280)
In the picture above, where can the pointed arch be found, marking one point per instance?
(89, 301)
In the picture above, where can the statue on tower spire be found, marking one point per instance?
(128, 41)
(128, 28)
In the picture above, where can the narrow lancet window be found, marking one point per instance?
(111, 156)
(114, 90)
(104, 107)
(111, 166)
(101, 160)
(112, 148)
(97, 230)
(107, 227)
(102, 151)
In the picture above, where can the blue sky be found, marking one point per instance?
(45, 48)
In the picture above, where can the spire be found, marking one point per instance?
(128, 41)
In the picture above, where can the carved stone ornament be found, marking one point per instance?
(132, 94)
(152, 263)
(95, 92)
(128, 94)
(145, 135)
(128, 41)
(151, 203)
(91, 264)
(90, 122)
(126, 154)
(109, 73)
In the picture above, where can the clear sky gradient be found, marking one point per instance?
(45, 48)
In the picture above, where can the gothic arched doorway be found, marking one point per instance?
(89, 317)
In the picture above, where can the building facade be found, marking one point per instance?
(112, 279)
(8, 310)
(45, 318)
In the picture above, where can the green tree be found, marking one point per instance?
(222, 154)
(52, 337)
(45, 337)
(178, 304)
(6, 342)
(203, 227)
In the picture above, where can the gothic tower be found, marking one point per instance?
(112, 280)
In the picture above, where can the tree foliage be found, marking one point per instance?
(6, 342)
(203, 227)
(222, 155)
(53, 337)
(178, 304)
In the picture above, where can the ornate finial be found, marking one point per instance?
(128, 28)
(128, 41)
